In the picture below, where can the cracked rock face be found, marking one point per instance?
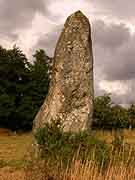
(70, 97)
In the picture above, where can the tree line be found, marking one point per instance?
(24, 86)
(108, 115)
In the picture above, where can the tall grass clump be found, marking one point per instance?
(116, 169)
(80, 156)
(61, 146)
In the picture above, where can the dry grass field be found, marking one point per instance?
(129, 136)
(14, 147)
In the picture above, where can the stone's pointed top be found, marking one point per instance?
(78, 14)
(78, 19)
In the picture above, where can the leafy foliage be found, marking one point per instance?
(102, 112)
(107, 115)
(23, 87)
(131, 111)
(62, 146)
(120, 118)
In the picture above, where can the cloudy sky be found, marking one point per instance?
(33, 24)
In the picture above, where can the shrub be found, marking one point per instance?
(110, 116)
(63, 146)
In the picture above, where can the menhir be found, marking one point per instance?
(70, 97)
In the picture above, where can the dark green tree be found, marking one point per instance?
(40, 78)
(23, 87)
(102, 112)
(120, 117)
(108, 115)
(13, 79)
(131, 112)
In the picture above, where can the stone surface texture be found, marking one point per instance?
(70, 97)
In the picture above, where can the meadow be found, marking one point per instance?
(13, 150)
(14, 161)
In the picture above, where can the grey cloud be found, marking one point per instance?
(124, 10)
(123, 99)
(48, 41)
(114, 58)
(127, 98)
(110, 35)
(122, 65)
(17, 14)
(114, 51)
(9, 35)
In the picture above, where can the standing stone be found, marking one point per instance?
(70, 97)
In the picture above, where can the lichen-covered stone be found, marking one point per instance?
(70, 97)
